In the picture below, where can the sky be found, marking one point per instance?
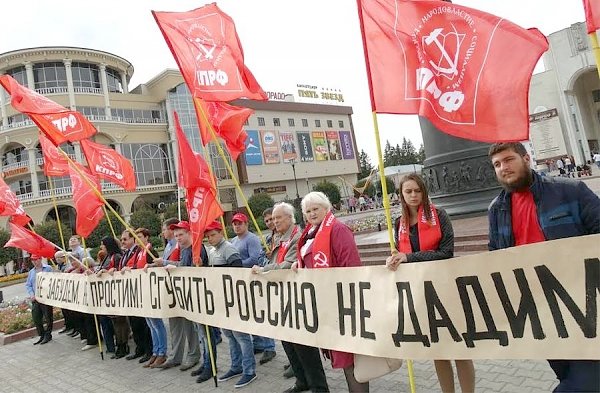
(314, 42)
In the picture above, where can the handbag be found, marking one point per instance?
(370, 367)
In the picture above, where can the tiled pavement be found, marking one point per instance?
(60, 366)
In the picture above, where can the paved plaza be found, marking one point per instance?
(60, 366)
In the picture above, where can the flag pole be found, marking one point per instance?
(382, 179)
(595, 49)
(95, 316)
(53, 196)
(99, 195)
(213, 181)
(235, 180)
(112, 230)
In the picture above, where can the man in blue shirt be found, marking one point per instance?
(39, 311)
(251, 251)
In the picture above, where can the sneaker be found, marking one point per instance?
(75, 334)
(289, 373)
(245, 380)
(228, 375)
(84, 341)
(267, 357)
(205, 376)
(64, 330)
(88, 347)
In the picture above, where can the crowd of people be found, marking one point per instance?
(524, 212)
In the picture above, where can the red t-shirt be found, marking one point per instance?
(525, 224)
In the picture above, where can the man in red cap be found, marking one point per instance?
(39, 311)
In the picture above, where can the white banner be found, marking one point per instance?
(531, 302)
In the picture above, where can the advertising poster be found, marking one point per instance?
(333, 143)
(288, 146)
(252, 153)
(270, 147)
(546, 135)
(346, 144)
(306, 153)
(320, 146)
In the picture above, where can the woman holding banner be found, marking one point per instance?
(424, 233)
(327, 242)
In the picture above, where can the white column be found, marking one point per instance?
(78, 155)
(172, 141)
(104, 83)
(118, 148)
(35, 188)
(124, 82)
(70, 86)
(3, 100)
(30, 77)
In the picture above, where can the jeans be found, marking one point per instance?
(158, 332)
(213, 340)
(264, 344)
(576, 375)
(241, 351)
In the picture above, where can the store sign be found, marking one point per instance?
(319, 93)
(546, 135)
(270, 190)
(15, 172)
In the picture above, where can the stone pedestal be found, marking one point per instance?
(458, 173)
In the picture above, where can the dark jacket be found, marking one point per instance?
(565, 208)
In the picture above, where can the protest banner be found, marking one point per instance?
(537, 301)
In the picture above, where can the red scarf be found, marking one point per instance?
(321, 246)
(430, 233)
(142, 257)
(283, 246)
(175, 253)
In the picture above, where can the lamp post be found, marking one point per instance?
(293, 162)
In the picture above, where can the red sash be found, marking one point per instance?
(321, 246)
(175, 253)
(283, 246)
(142, 257)
(430, 233)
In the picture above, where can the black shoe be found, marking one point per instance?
(134, 356)
(145, 358)
(198, 371)
(205, 376)
(47, 339)
(39, 341)
(286, 366)
(296, 389)
(257, 351)
(73, 333)
(289, 373)
(64, 330)
(267, 357)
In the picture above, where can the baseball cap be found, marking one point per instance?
(239, 217)
(180, 225)
(214, 226)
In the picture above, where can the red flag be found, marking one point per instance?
(11, 206)
(57, 122)
(87, 203)
(31, 242)
(193, 170)
(592, 15)
(227, 122)
(55, 164)
(203, 208)
(207, 49)
(109, 164)
(455, 65)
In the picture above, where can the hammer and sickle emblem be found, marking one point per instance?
(320, 260)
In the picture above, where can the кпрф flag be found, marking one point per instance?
(466, 71)
(88, 204)
(107, 163)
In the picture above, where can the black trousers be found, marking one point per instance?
(307, 366)
(68, 315)
(41, 313)
(88, 331)
(141, 335)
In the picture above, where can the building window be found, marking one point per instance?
(318, 123)
(304, 123)
(341, 123)
(14, 155)
(596, 95)
(150, 163)
(218, 165)
(19, 74)
(291, 122)
(261, 121)
(276, 122)
(50, 78)
(138, 115)
(113, 79)
(58, 183)
(21, 187)
(86, 78)
(92, 111)
(19, 118)
(329, 123)
(247, 122)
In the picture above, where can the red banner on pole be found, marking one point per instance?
(107, 163)
(87, 203)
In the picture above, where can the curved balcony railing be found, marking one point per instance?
(15, 165)
(18, 124)
(25, 197)
(87, 90)
(52, 90)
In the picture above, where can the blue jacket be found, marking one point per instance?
(565, 208)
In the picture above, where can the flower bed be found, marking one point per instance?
(13, 277)
(16, 316)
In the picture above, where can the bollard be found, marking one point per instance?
(1, 297)
(379, 227)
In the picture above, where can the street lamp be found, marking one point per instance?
(293, 162)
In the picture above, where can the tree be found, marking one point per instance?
(6, 254)
(409, 153)
(49, 231)
(103, 229)
(145, 218)
(389, 183)
(331, 190)
(171, 211)
(365, 164)
(421, 154)
(258, 203)
(388, 155)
